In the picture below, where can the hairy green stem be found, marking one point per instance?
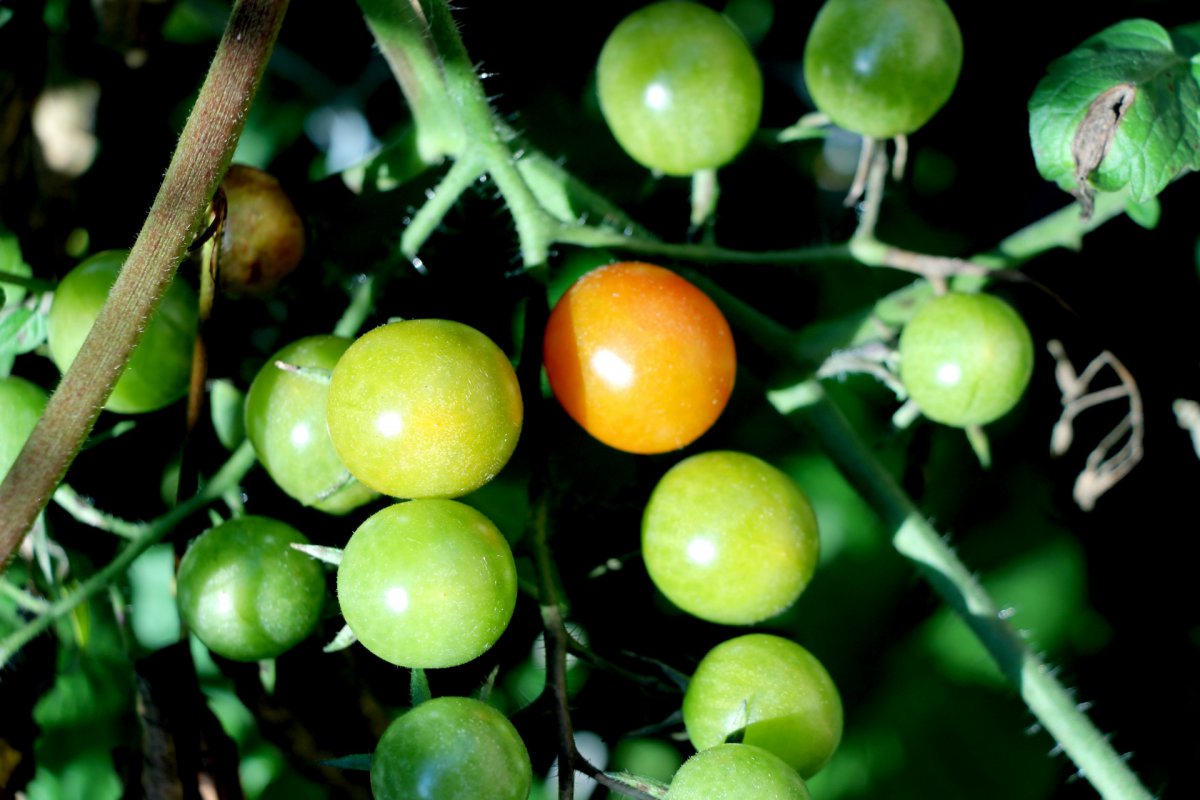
(439, 202)
(201, 157)
(587, 236)
(362, 301)
(534, 225)
(83, 511)
(229, 476)
(916, 539)
(402, 34)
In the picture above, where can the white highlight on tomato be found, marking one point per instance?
(612, 369)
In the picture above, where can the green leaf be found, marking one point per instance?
(1145, 214)
(12, 262)
(1122, 109)
(227, 404)
(360, 761)
(154, 617)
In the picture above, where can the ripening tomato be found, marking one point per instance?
(639, 357)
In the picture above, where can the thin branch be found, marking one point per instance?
(204, 151)
(230, 475)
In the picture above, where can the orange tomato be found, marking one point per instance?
(639, 357)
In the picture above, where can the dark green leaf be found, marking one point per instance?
(227, 405)
(359, 761)
(1122, 109)
(1145, 214)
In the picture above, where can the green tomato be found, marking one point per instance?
(772, 690)
(648, 758)
(21, 406)
(451, 748)
(965, 358)
(679, 87)
(424, 408)
(737, 772)
(427, 583)
(246, 593)
(882, 68)
(729, 538)
(285, 420)
(161, 367)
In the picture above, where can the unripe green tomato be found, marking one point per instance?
(427, 583)
(424, 408)
(262, 239)
(649, 758)
(285, 421)
(775, 692)
(246, 593)
(451, 748)
(736, 772)
(161, 366)
(729, 538)
(882, 68)
(965, 358)
(21, 406)
(679, 87)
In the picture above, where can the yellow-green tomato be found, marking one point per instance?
(965, 358)
(729, 538)
(285, 421)
(424, 408)
(21, 406)
(246, 593)
(882, 68)
(451, 748)
(427, 583)
(737, 772)
(679, 87)
(772, 690)
(161, 366)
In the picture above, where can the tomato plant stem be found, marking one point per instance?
(402, 34)
(917, 540)
(439, 201)
(229, 476)
(204, 151)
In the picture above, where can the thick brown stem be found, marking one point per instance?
(204, 151)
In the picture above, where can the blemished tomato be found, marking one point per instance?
(729, 538)
(262, 240)
(882, 68)
(679, 87)
(424, 408)
(451, 748)
(639, 357)
(161, 366)
(427, 583)
(21, 406)
(246, 593)
(965, 358)
(737, 772)
(285, 421)
(772, 690)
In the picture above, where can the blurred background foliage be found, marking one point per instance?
(92, 96)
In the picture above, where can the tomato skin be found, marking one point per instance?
(21, 406)
(965, 358)
(451, 748)
(262, 240)
(424, 408)
(679, 87)
(773, 690)
(160, 369)
(639, 357)
(246, 593)
(729, 538)
(285, 421)
(736, 772)
(882, 68)
(427, 583)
